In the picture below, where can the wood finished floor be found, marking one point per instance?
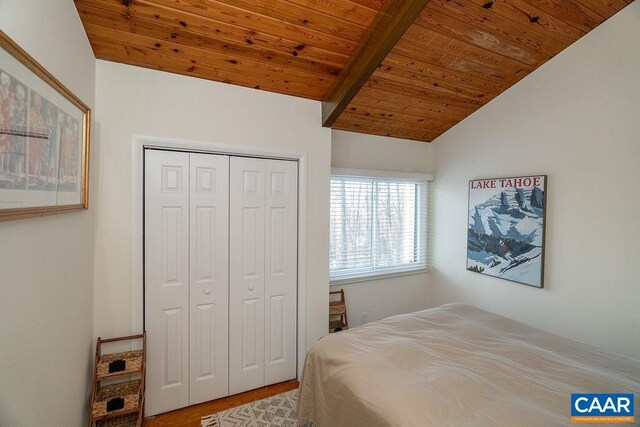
(191, 415)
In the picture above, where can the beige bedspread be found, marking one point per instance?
(454, 365)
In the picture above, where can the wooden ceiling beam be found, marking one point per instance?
(389, 25)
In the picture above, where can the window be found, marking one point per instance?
(378, 225)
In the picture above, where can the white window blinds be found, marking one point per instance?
(378, 226)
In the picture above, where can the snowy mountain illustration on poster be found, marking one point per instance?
(506, 228)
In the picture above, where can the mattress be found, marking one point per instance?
(454, 365)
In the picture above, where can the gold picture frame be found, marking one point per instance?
(44, 140)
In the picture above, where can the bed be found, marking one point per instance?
(453, 365)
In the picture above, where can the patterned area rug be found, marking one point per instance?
(275, 411)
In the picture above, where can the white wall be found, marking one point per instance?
(382, 297)
(576, 119)
(46, 264)
(135, 101)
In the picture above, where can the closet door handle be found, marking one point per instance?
(207, 291)
(250, 287)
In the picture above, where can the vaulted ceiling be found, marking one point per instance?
(395, 67)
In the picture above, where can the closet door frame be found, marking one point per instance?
(139, 143)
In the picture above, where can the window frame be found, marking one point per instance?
(370, 275)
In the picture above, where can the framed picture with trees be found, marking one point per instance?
(506, 228)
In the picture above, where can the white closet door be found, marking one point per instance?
(246, 263)
(209, 277)
(220, 276)
(281, 244)
(167, 280)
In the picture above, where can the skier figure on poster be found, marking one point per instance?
(507, 250)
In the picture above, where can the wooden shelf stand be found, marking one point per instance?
(120, 403)
(338, 309)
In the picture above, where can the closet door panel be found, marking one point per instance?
(246, 262)
(209, 277)
(167, 280)
(281, 276)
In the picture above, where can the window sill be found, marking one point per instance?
(372, 277)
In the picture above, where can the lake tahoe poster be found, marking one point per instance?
(506, 228)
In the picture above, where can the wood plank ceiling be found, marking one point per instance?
(460, 54)
(455, 57)
(295, 47)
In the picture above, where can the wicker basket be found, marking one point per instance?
(116, 399)
(116, 364)
(334, 324)
(129, 420)
(337, 308)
